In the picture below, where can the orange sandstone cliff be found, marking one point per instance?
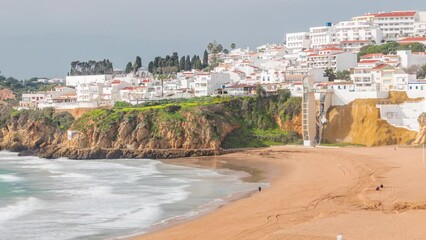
(359, 123)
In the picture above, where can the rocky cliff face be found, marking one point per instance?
(6, 94)
(31, 129)
(359, 123)
(421, 136)
(157, 132)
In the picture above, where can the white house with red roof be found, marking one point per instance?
(334, 58)
(398, 24)
(135, 94)
(374, 75)
(410, 40)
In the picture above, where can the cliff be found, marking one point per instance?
(359, 123)
(421, 136)
(6, 94)
(201, 127)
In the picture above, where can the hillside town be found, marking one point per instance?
(326, 54)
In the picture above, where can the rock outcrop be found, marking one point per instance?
(163, 132)
(359, 123)
(6, 94)
(421, 136)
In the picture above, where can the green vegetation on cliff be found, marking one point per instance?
(220, 121)
(62, 120)
(391, 48)
(201, 124)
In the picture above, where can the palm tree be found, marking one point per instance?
(210, 47)
(233, 46)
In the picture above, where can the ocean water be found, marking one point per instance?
(102, 199)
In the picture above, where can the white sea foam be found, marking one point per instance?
(59, 174)
(103, 198)
(19, 209)
(10, 178)
(89, 192)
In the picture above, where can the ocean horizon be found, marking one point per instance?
(65, 199)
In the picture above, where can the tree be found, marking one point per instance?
(219, 48)
(391, 48)
(343, 75)
(151, 67)
(182, 63)
(260, 92)
(137, 64)
(197, 64)
(226, 51)
(91, 67)
(188, 63)
(205, 59)
(414, 47)
(128, 68)
(210, 47)
(233, 46)
(215, 47)
(422, 72)
(329, 73)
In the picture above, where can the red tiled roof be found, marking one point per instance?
(395, 14)
(413, 39)
(331, 49)
(368, 61)
(372, 55)
(381, 66)
(128, 88)
(115, 82)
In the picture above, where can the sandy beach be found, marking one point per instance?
(317, 193)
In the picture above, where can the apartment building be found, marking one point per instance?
(298, 41)
(398, 24)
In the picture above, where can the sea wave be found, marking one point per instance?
(10, 178)
(89, 192)
(19, 208)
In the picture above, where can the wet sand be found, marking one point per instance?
(317, 193)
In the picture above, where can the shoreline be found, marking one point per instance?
(243, 171)
(317, 193)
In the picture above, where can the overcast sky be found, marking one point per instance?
(41, 37)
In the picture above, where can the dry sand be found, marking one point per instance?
(317, 193)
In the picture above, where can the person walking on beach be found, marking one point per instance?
(260, 189)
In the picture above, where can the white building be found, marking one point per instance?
(73, 81)
(373, 75)
(417, 89)
(321, 36)
(298, 41)
(354, 46)
(205, 84)
(357, 30)
(397, 24)
(334, 58)
(408, 59)
(31, 100)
